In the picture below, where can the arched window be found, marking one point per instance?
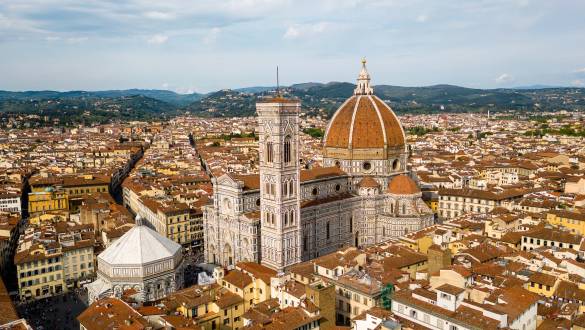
(269, 152)
(395, 164)
(285, 219)
(292, 217)
(287, 151)
(403, 209)
(391, 207)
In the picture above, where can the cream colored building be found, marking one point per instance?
(55, 263)
(456, 202)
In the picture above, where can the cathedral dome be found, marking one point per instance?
(402, 185)
(364, 126)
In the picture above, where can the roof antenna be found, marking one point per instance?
(277, 83)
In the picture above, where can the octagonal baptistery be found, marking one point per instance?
(141, 260)
(365, 137)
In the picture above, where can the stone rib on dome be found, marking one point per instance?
(402, 185)
(341, 125)
(394, 132)
(140, 245)
(366, 127)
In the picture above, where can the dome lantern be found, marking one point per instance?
(363, 81)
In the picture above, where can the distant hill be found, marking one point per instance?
(536, 87)
(87, 110)
(162, 95)
(253, 90)
(306, 86)
(317, 99)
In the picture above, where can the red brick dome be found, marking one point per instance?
(364, 121)
(402, 185)
(364, 126)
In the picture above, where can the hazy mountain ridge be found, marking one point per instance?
(317, 99)
(162, 95)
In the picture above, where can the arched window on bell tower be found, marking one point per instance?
(287, 150)
(269, 152)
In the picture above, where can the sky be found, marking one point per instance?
(206, 45)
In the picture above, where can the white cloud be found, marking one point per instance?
(582, 70)
(159, 15)
(185, 90)
(52, 38)
(157, 39)
(292, 32)
(76, 40)
(165, 85)
(300, 30)
(422, 18)
(504, 78)
(211, 36)
(578, 82)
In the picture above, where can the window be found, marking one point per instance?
(367, 166)
(269, 152)
(287, 151)
(337, 187)
(314, 191)
(395, 164)
(327, 229)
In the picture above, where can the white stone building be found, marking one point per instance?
(286, 215)
(142, 260)
(10, 202)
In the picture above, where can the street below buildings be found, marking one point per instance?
(58, 312)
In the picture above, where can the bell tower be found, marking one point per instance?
(278, 127)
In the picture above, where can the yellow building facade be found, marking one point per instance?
(573, 221)
(47, 201)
